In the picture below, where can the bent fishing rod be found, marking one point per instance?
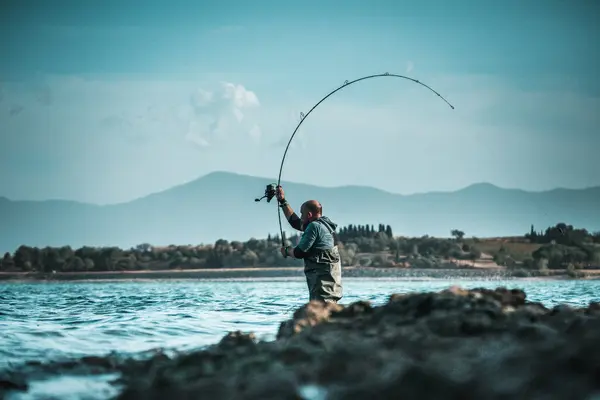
(271, 189)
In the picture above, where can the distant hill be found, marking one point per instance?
(221, 205)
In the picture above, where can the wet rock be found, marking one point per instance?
(237, 339)
(309, 315)
(458, 343)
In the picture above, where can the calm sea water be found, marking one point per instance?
(53, 321)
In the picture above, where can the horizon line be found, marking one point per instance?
(216, 172)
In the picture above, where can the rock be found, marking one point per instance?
(237, 339)
(480, 343)
(309, 315)
(593, 309)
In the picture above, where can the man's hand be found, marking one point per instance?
(287, 210)
(280, 194)
(284, 252)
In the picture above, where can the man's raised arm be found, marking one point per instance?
(290, 215)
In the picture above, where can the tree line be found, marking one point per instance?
(563, 234)
(564, 246)
(560, 246)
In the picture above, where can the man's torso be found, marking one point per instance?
(323, 251)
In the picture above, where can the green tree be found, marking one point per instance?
(250, 258)
(388, 231)
(7, 261)
(23, 256)
(458, 234)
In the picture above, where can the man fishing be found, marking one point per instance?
(317, 247)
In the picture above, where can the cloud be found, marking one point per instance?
(409, 66)
(240, 96)
(220, 115)
(201, 98)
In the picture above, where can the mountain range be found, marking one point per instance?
(221, 205)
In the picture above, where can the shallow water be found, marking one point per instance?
(52, 321)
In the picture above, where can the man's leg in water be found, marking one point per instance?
(325, 284)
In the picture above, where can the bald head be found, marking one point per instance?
(312, 206)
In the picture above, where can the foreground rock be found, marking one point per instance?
(456, 344)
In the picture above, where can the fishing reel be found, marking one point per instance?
(270, 192)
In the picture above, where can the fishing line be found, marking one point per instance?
(271, 189)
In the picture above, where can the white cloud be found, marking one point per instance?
(409, 66)
(201, 98)
(220, 114)
(239, 116)
(240, 97)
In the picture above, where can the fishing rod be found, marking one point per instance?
(271, 189)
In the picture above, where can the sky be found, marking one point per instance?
(108, 101)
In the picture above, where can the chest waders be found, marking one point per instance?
(323, 271)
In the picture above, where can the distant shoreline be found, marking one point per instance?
(285, 272)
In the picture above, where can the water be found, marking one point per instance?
(53, 321)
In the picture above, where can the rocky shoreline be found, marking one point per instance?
(454, 344)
